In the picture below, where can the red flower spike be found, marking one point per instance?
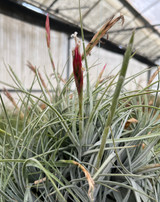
(47, 26)
(77, 70)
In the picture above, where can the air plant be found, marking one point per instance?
(63, 153)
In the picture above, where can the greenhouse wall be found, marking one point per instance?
(21, 42)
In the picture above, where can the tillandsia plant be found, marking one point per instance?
(60, 151)
(78, 76)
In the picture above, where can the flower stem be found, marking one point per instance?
(81, 115)
(53, 65)
(114, 101)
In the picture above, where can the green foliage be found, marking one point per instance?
(42, 157)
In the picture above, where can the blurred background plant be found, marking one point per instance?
(97, 144)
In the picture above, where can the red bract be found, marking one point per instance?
(77, 70)
(47, 31)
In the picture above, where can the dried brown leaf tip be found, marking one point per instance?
(100, 76)
(71, 96)
(60, 77)
(34, 69)
(31, 67)
(43, 106)
(132, 120)
(101, 33)
(89, 179)
(40, 181)
(154, 75)
(9, 96)
(143, 145)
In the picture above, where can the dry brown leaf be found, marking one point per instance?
(101, 33)
(154, 75)
(70, 96)
(9, 96)
(129, 121)
(40, 180)
(143, 145)
(34, 69)
(89, 179)
(43, 106)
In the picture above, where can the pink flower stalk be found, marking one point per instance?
(47, 26)
(100, 75)
(77, 70)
